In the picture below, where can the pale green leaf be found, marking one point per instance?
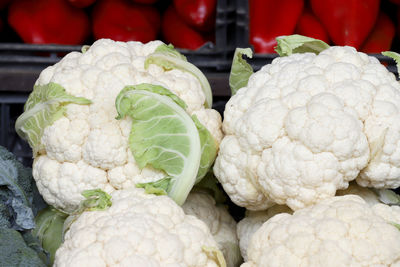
(291, 44)
(240, 70)
(49, 230)
(159, 188)
(45, 105)
(208, 149)
(95, 199)
(216, 255)
(163, 136)
(395, 56)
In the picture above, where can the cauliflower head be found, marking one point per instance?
(221, 224)
(85, 146)
(139, 229)
(306, 125)
(338, 231)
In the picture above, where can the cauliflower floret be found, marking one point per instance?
(253, 220)
(338, 231)
(219, 221)
(88, 137)
(138, 229)
(306, 125)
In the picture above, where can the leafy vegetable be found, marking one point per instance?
(296, 43)
(45, 105)
(168, 58)
(15, 251)
(17, 193)
(240, 70)
(163, 135)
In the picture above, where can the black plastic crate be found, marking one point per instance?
(218, 56)
(11, 106)
(259, 60)
(211, 57)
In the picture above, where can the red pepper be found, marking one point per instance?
(147, 2)
(81, 3)
(199, 14)
(4, 3)
(381, 37)
(348, 22)
(176, 32)
(48, 21)
(270, 19)
(122, 20)
(309, 25)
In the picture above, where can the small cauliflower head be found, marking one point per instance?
(338, 231)
(85, 146)
(138, 229)
(252, 221)
(306, 125)
(219, 221)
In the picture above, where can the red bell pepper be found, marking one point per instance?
(381, 37)
(48, 21)
(348, 22)
(4, 3)
(178, 33)
(147, 2)
(270, 19)
(81, 3)
(199, 14)
(309, 25)
(122, 20)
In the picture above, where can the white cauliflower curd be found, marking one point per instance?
(306, 125)
(338, 231)
(252, 221)
(138, 229)
(221, 224)
(78, 144)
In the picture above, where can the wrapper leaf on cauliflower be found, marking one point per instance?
(117, 115)
(304, 126)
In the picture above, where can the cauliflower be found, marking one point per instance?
(255, 219)
(80, 117)
(139, 229)
(338, 231)
(252, 221)
(219, 221)
(306, 125)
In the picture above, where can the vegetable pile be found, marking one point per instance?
(132, 166)
(370, 26)
(186, 24)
